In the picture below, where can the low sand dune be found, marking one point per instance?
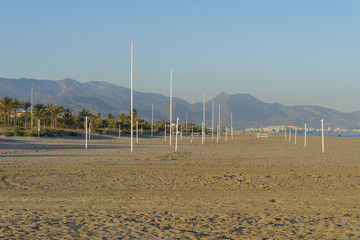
(246, 188)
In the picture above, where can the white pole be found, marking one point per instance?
(181, 132)
(132, 98)
(186, 122)
(305, 136)
(137, 131)
(322, 136)
(295, 134)
(219, 123)
(217, 135)
(203, 134)
(119, 130)
(226, 130)
(285, 133)
(212, 121)
(232, 132)
(32, 106)
(289, 134)
(86, 132)
(192, 134)
(176, 135)
(170, 103)
(152, 119)
(89, 131)
(39, 130)
(165, 132)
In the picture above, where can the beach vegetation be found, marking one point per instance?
(56, 121)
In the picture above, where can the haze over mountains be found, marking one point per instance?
(109, 98)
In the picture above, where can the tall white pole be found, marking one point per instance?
(219, 123)
(231, 130)
(285, 133)
(152, 119)
(295, 134)
(186, 122)
(137, 131)
(132, 98)
(217, 135)
(176, 134)
(322, 136)
(32, 106)
(212, 121)
(86, 132)
(305, 136)
(203, 133)
(170, 103)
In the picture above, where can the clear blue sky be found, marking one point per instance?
(291, 52)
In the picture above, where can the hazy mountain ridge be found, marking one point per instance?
(106, 98)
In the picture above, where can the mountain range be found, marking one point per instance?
(106, 98)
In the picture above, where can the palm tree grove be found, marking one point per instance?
(17, 119)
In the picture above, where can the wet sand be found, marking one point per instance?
(246, 188)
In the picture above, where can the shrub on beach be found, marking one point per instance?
(19, 132)
(8, 134)
(96, 131)
(32, 133)
(105, 131)
(62, 133)
(46, 133)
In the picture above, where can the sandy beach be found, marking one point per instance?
(245, 188)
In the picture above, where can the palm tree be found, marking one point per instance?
(51, 109)
(16, 103)
(54, 112)
(26, 105)
(39, 111)
(82, 114)
(67, 119)
(5, 105)
(110, 116)
(58, 110)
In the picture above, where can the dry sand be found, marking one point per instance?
(241, 189)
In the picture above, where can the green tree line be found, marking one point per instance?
(57, 117)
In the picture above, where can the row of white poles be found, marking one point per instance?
(305, 132)
(171, 124)
(87, 131)
(171, 110)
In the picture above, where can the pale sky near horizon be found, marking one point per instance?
(304, 52)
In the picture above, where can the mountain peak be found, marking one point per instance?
(223, 96)
(68, 80)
